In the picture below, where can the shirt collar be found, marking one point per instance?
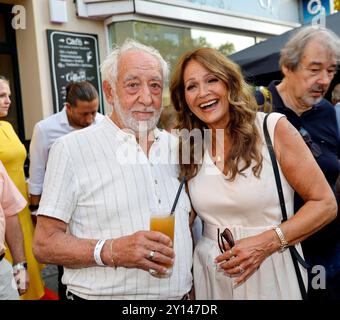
(63, 117)
(127, 135)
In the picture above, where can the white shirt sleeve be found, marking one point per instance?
(61, 187)
(38, 159)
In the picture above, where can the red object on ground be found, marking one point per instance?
(49, 295)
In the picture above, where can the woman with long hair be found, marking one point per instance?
(232, 187)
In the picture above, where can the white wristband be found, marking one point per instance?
(97, 251)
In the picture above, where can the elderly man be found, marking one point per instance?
(309, 62)
(80, 111)
(11, 202)
(103, 183)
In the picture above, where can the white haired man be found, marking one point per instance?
(105, 199)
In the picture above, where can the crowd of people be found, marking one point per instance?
(91, 201)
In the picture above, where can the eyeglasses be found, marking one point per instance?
(225, 237)
(313, 147)
(316, 71)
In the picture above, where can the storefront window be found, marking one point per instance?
(173, 41)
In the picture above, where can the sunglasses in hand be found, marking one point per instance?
(223, 238)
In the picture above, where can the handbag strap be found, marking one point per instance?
(275, 168)
(296, 257)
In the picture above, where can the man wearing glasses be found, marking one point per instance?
(309, 61)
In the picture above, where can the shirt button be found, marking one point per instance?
(156, 181)
(159, 201)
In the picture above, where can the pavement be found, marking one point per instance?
(50, 276)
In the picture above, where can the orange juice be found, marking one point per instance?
(165, 224)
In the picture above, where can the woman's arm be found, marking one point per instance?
(306, 178)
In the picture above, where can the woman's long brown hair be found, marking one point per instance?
(244, 136)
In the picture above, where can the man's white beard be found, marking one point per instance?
(310, 101)
(129, 122)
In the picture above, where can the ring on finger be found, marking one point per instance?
(151, 255)
(240, 269)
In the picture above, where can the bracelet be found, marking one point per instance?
(97, 251)
(112, 257)
(283, 241)
(19, 266)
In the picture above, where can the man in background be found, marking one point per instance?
(80, 111)
(336, 103)
(309, 62)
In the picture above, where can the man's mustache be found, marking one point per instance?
(319, 88)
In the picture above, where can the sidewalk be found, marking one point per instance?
(50, 276)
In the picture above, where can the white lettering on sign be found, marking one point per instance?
(74, 42)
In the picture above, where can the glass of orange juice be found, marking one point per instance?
(164, 223)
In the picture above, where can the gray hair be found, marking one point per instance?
(109, 67)
(293, 50)
(336, 93)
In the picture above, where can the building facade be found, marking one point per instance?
(45, 44)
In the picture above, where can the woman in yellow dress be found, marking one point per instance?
(13, 155)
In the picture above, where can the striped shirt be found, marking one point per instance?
(100, 182)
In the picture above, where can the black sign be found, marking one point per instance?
(73, 57)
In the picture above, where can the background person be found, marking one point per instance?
(80, 111)
(233, 185)
(336, 103)
(309, 62)
(11, 203)
(94, 217)
(13, 155)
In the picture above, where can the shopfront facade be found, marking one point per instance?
(171, 26)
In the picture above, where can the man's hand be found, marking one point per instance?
(134, 251)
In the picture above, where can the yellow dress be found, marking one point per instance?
(13, 155)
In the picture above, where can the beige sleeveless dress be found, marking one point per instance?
(247, 206)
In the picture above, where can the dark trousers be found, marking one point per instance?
(61, 286)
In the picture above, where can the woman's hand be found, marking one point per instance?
(246, 256)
